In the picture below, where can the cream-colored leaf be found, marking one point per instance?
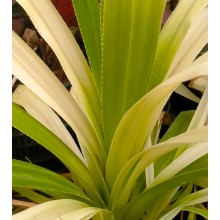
(192, 199)
(199, 119)
(53, 29)
(196, 38)
(185, 92)
(49, 210)
(173, 35)
(81, 214)
(187, 157)
(27, 67)
(199, 83)
(201, 115)
(201, 59)
(45, 115)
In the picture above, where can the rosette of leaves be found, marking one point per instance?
(122, 169)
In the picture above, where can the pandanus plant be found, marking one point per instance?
(121, 169)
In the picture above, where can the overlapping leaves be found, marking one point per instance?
(115, 101)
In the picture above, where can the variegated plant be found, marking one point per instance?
(122, 170)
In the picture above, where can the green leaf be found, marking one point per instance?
(36, 197)
(137, 124)
(28, 125)
(88, 17)
(187, 157)
(203, 183)
(199, 211)
(35, 177)
(134, 168)
(45, 115)
(179, 125)
(114, 108)
(139, 187)
(172, 35)
(148, 198)
(196, 165)
(137, 207)
(199, 119)
(185, 190)
(130, 31)
(192, 199)
(162, 203)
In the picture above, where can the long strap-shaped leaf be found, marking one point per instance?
(147, 199)
(88, 17)
(173, 35)
(196, 38)
(88, 213)
(179, 125)
(65, 209)
(199, 119)
(186, 158)
(50, 210)
(185, 92)
(165, 200)
(136, 208)
(28, 125)
(138, 122)
(192, 199)
(130, 31)
(54, 30)
(29, 175)
(133, 169)
(198, 211)
(45, 115)
(31, 70)
(28, 193)
(201, 114)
